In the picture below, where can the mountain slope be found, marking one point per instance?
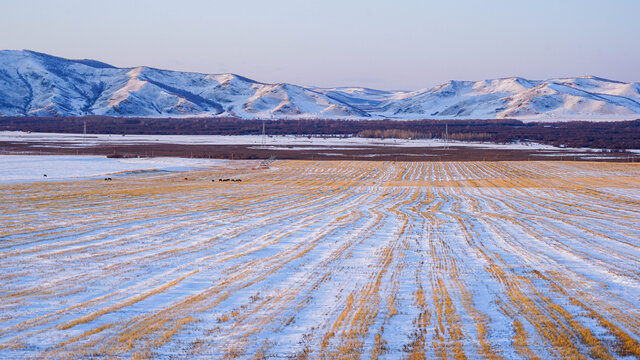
(36, 84)
(567, 98)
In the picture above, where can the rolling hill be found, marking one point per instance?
(37, 84)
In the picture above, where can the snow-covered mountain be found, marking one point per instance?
(36, 84)
(40, 85)
(566, 98)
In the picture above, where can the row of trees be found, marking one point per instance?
(609, 135)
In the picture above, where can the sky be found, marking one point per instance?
(407, 45)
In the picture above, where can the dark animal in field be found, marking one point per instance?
(107, 179)
(45, 175)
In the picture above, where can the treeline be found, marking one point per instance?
(616, 135)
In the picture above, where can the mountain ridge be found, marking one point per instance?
(39, 84)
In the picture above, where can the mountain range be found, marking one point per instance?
(37, 84)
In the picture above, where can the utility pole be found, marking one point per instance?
(446, 135)
(264, 139)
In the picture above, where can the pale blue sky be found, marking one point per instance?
(382, 44)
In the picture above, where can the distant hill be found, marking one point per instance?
(36, 84)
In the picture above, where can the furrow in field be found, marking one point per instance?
(419, 260)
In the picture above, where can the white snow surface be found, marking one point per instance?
(36, 84)
(33, 167)
(300, 142)
(445, 260)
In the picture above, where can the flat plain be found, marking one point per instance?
(335, 259)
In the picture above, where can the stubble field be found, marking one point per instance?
(448, 260)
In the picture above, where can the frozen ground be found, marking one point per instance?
(465, 260)
(34, 167)
(275, 142)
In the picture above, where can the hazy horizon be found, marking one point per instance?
(377, 44)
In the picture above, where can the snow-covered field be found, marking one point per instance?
(522, 260)
(268, 142)
(54, 167)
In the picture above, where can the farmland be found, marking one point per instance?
(335, 259)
